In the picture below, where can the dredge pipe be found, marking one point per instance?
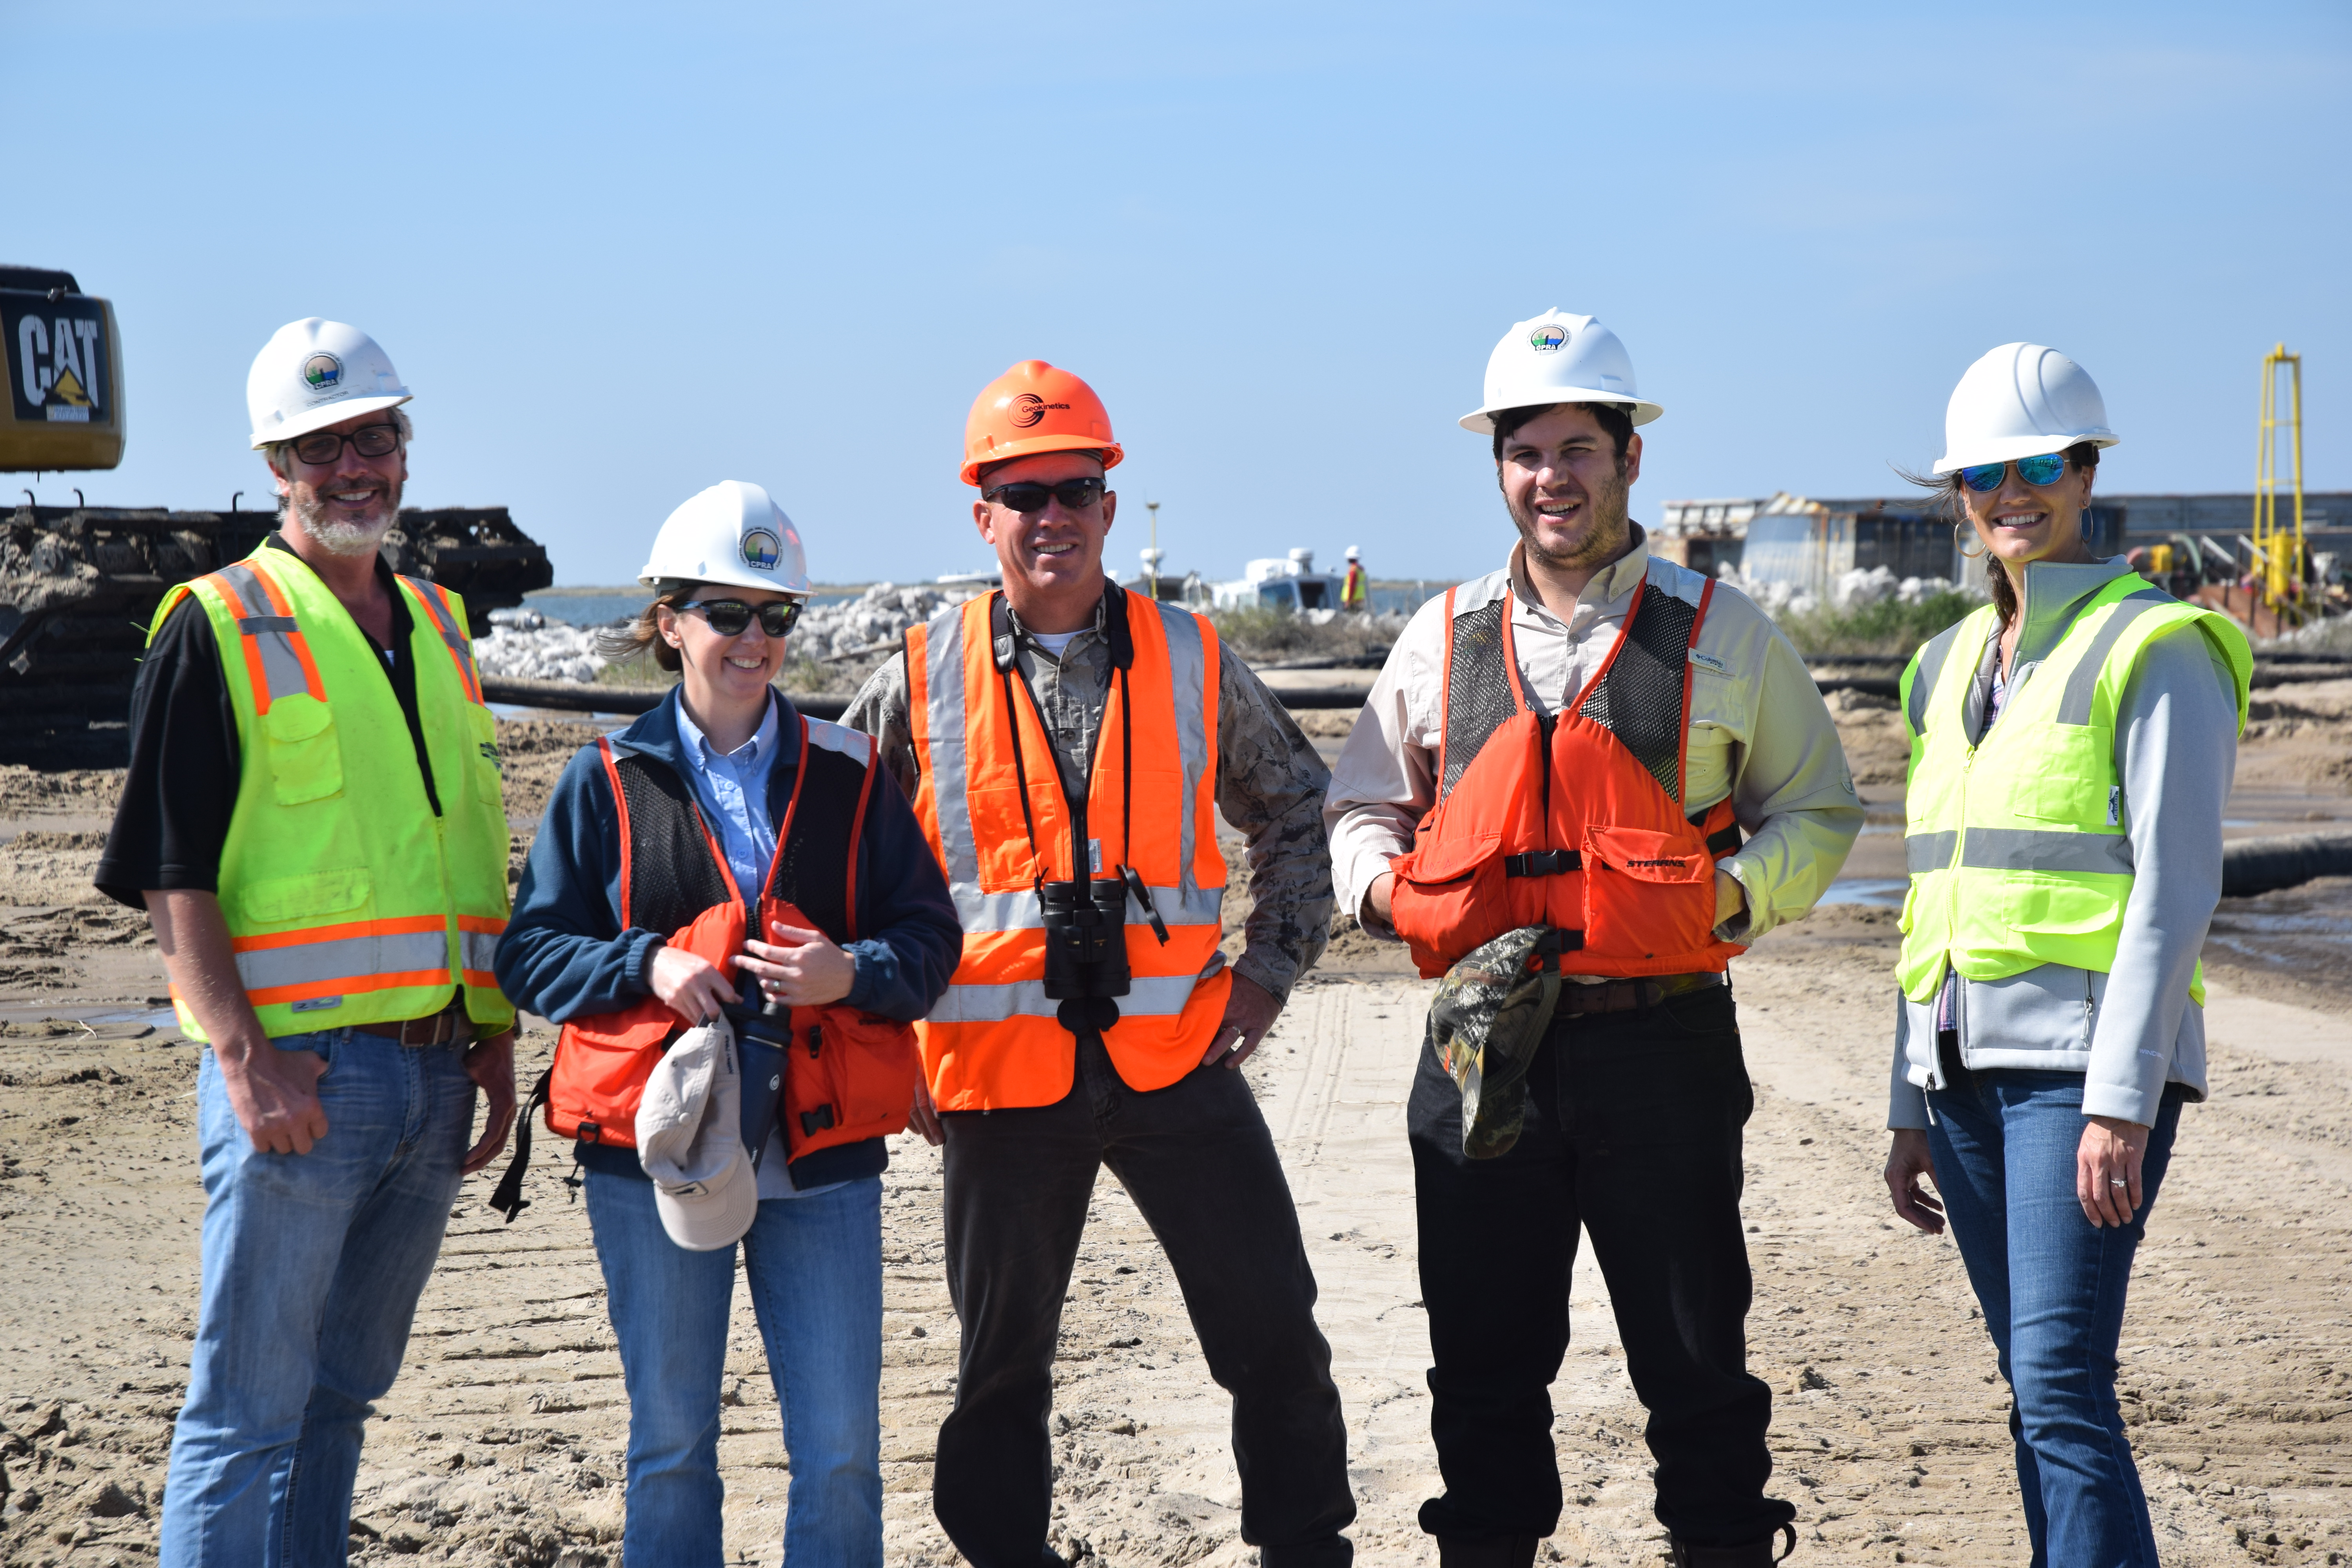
(2251, 866)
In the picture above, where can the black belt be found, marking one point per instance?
(1579, 997)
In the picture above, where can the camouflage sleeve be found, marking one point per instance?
(1270, 785)
(879, 709)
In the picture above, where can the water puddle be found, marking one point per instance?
(1869, 892)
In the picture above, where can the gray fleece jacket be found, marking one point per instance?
(2132, 1030)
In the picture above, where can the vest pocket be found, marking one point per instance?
(1449, 896)
(273, 900)
(482, 740)
(2067, 777)
(306, 758)
(2054, 903)
(1647, 894)
(849, 1073)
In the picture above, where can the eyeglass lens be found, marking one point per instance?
(730, 618)
(2042, 470)
(324, 447)
(1027, 497)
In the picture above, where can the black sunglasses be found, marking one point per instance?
(1025, 495)
(323, 447)
(733, 617)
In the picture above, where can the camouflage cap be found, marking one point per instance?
(1490, 1014)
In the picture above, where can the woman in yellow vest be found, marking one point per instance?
(2071, 747)
(722, 846)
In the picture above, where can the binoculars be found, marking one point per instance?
(1085, 949)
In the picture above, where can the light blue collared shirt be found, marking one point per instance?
(732, 789)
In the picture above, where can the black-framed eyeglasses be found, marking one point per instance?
(733, 617)
(2039, 472)
(321, 448)
(1075, 495)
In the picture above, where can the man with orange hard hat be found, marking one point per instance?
(1067, 745)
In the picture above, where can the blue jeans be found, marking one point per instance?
(312, 1266)
(815, 1269)
(2052, 1285)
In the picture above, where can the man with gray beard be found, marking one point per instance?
(313, 820)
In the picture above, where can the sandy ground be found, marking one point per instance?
(503, 1442)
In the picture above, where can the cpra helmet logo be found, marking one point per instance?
(1544, 340)
(762, 550)
(323, 372)
(1028, 408)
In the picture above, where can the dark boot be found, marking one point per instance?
(1509, 1551)
(1755, 1554)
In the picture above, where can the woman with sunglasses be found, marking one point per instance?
(2073, 744)
(721, 851)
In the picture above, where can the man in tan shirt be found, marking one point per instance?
(1637, 1093)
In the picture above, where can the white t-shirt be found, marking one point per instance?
(1053, 642)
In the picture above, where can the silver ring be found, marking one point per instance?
(2114, 1183)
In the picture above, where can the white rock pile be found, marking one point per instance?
(1850, 591)
(872, 621)
(524, 646)
(551, 651)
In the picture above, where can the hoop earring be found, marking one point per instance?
(1966, 554)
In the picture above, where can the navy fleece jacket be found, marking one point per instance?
(565, 954)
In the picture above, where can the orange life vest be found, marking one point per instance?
(995, 1040)
(850, 1075)
(1572, 820)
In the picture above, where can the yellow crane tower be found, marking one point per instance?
(2278, 544)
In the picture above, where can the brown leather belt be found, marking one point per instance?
(1578, 998)
(449, 1023)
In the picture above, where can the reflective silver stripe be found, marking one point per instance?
(2034, 850)
(269, 633)
(1022, 910)
(479, 949)
(343, 958)
(1154, 997)
(2083, 680)
(1925, 852)
(1187, 671)
(450, 634)
(951, 773)
(1929, 670)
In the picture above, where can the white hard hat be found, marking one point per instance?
(1351, 552)
(2022, 400)
(1557, 358)
(690, 1141)
(315, 372)
(730, 534)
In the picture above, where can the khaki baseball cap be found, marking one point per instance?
(690, 1141)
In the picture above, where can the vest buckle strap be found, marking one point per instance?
(1543, 863)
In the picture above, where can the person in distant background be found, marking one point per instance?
(1356, 592)
(313, 818)
(2071, 749)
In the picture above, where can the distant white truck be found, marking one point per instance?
(1290, 584)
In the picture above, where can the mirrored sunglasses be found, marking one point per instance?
(2042, 470)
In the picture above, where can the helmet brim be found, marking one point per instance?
(326, 414)
(1037, 446)
(1482, 420)
(2008, 449)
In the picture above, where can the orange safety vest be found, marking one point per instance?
(995, 1040)
(850, 1075)
(1572, 820)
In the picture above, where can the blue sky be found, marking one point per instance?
(621, 254)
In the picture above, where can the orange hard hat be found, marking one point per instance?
(1034, 408)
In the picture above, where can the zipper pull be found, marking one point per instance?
(816, 1039)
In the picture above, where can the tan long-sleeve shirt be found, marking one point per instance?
(1758, 734)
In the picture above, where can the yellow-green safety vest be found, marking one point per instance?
(347, 900)
(2025, 860)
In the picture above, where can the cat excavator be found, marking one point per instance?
(80, 583)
